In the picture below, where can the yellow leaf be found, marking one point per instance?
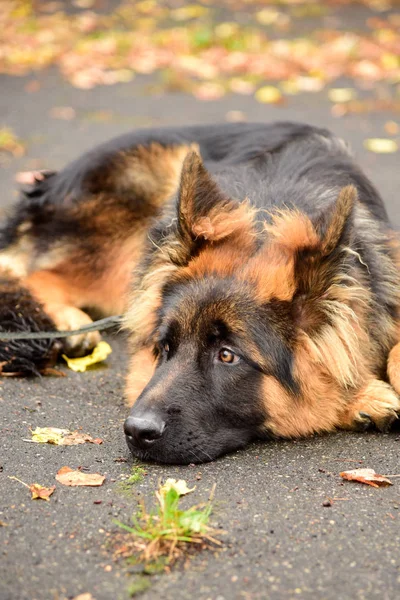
(381, 145)
(100, 353)
(62, 437)
(341, 94)
(49, 435)
(267, 16)
(268, 95)
(179, 485)
(41, 492)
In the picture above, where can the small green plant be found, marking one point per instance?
(136, 476)
(138, 585)
(168, 530)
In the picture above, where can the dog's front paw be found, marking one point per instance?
(69, 318)
(376, 405)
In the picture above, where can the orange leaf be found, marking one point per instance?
(41, 492)
(367, 476)
(68, 476)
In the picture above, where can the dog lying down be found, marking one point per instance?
(256, 269)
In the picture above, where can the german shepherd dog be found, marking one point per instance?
(255, 266)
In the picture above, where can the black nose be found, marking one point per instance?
(144, 431)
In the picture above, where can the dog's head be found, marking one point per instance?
(242, 325)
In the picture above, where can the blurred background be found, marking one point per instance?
(75, 73)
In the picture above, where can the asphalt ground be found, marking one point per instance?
(281, 541)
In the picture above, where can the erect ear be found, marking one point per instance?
(293, 232)
(303, 256)
(204, 210)
(338, 220)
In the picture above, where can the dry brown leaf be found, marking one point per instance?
(367, 476)
(41, 492)
(68, 476)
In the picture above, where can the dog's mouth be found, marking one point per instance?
(175, 452)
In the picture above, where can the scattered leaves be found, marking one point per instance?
(62, 437)
(381, 145)
(367, 476)
(99, 354)
(191, 42)
(68, 476)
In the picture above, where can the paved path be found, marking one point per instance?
(281, 541)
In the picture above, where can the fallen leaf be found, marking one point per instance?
(269, 95)
(100, 353)
(381, 145)
(86, 596)
(367, 476)
(341, 94)
(179, 485)
(68, 476)
(41, 492)
(48, 435)
(392, 128)
(37, 491)
(62, 437)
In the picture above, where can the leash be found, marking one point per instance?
(99, 325)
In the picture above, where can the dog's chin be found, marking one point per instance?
(185, 453)
(159, 453)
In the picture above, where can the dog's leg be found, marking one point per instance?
(377, 403)
(60, 301)
(393, 367)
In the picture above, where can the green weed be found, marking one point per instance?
(168, 530)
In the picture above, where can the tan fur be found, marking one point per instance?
(140, 371)
(153, 171)
(393, 367)
(317, 409)
(377, 399)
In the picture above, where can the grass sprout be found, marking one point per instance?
(168, 530)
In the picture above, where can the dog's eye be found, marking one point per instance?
(165, 347)
(227, 356)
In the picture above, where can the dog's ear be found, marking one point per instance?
(335, 227)
(205, 212)
(303, 257)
